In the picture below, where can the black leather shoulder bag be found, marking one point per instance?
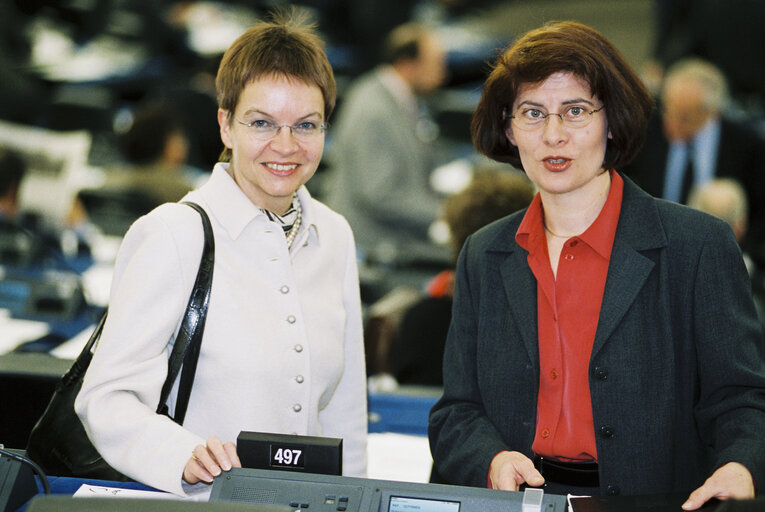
(58, 442)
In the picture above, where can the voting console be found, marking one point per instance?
(328, 493)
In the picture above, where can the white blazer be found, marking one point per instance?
(282, 349)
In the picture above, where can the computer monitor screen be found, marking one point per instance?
(408, 504)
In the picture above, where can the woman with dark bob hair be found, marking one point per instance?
(602, 341)
(282, 350)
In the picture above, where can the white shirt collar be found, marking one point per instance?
(234, 210)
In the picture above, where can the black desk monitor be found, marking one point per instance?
(289, 452)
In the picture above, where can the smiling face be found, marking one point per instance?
(559, 158)
(270, 171)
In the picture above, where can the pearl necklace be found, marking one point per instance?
(295, 225)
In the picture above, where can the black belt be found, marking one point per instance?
(579, 474)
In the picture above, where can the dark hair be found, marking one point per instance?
(147, 136)
(287, 46)
(564, 47)
(12, 170)
(492, 194)
(403, 43)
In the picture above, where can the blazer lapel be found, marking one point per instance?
(520, 287)
(639, 229)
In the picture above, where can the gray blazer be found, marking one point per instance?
(677, 377)
(379, 167)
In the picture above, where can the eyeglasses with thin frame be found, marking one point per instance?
(304, 131)
(575, 116)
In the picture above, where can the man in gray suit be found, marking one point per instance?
(381, 152)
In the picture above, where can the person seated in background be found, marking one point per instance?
(152, 171)
(381, 152)
(24, 238)
(155, 148)
(417, 350)
(725, 198)
(692, 142)
(12, 170)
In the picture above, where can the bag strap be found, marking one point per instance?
(186, 348)
(189, 340)
(82, 362)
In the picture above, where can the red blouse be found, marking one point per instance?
(568, 307)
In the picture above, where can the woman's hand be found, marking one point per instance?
(208, 461)
(509, 470)
(732, 480)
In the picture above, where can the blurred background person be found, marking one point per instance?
(725, 198)
(382, 151)
(692, 141)
(726, 33)
(155, 149)
(25, 238)
(152, 170)
(12, 169)
(417, 351)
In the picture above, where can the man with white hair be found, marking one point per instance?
(692, 142)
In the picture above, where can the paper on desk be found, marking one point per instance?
(400, 457)
(97, 491)
(195, 493)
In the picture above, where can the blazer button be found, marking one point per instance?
(297, 407)
(606, 431)
(613, 490)
(601, 373)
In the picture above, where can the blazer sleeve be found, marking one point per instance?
(730, 411)
(463, 439)
(384, 167)
(117, 404)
